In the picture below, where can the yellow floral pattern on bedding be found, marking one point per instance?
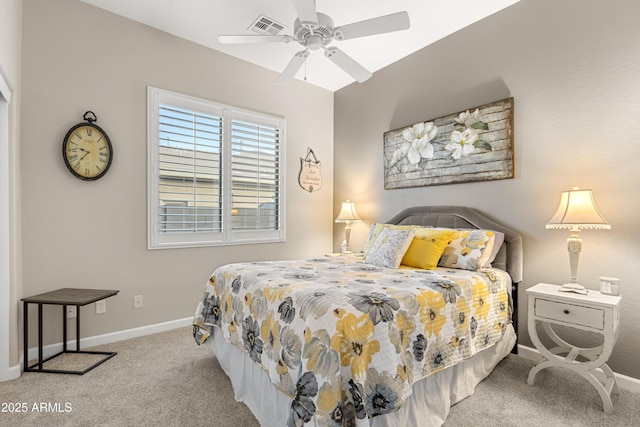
(346, 340)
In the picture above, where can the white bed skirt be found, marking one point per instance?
(252, 386)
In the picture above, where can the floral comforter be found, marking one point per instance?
(346, 340)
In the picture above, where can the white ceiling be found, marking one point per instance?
(201, 21)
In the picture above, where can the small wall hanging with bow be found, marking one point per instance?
(310, 176)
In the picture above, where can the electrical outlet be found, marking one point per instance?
(137, 301)
(71, 311)
(101, 306)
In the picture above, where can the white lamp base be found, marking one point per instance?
(574, 246)
(573, 287)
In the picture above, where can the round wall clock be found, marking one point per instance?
(87, 150)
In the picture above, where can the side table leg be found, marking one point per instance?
(611, 379)
(540, 366)
(77, 328)
(607, 405)
(40, 336)
(64, 328)
(25, 334)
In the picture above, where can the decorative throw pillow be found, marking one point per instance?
(376, 229)
(389, 248)
(469, 250)
(427, 247)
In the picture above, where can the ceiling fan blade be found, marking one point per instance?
(254, 39)
(306, 10)
(369, 27)
(292, 68)
(347, 63)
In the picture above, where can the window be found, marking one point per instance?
(216, 173)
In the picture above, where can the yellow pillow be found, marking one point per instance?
(427, 247)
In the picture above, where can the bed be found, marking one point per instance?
(360, 340)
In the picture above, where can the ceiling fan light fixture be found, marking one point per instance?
(314, 42)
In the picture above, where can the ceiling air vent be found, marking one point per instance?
(265, 25)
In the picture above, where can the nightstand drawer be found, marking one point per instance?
(569, 313)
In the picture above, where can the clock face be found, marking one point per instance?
(87, 151)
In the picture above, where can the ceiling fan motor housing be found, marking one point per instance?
(314, 36)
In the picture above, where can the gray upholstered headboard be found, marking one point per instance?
(509, 257)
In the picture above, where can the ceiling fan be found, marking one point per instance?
(315, 30)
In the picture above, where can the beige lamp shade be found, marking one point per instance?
(577, 210)
(348, 213)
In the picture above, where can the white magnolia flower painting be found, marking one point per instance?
(417, 141)
(416, 145)
(462, 143)
(474, 145)
(466, 138)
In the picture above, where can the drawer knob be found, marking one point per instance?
(566, 311)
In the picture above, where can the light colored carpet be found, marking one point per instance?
(157, 380)
(560, 398)
(165, 380)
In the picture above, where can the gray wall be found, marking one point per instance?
(572, 67)
(93, 234)
(10, 281)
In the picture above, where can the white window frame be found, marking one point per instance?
(158, 240)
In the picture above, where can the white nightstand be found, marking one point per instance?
(593, 312)
(355, 255)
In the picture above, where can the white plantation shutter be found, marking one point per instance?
(190, 167)
(215, 173)
(255, 171)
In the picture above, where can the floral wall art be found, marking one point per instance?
(473, 145)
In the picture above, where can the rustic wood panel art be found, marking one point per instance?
(474, 145)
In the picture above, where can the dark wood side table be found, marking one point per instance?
(63, 297)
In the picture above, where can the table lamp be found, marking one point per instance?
(577, 211)
(347, 215)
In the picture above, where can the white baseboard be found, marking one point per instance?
(86, 342)
(625, 382)
(11, 373)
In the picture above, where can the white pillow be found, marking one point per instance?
(376, 229)
(389, 248)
